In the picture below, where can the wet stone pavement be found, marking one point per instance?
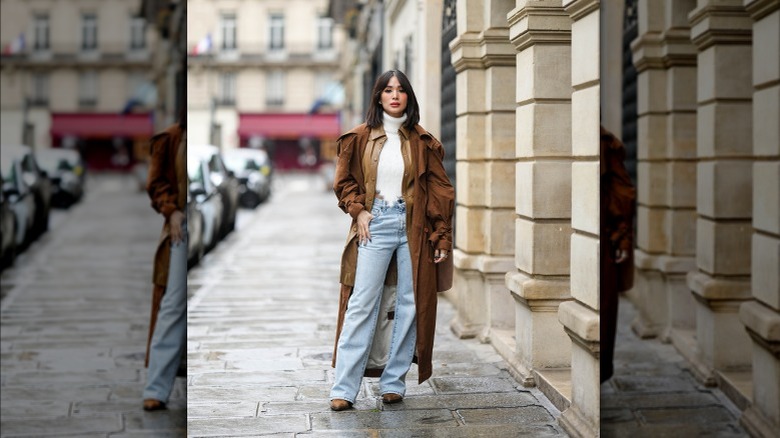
(75, 315)
(654, 394)
(261, 326)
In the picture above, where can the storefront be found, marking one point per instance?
(107, 141)
(294, 141)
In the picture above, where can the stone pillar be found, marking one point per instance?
(762, 316)
(484, 63)
(666, 198)
(580, 317)
(541, 33)
(721, 30)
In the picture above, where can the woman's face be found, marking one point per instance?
(394, 98)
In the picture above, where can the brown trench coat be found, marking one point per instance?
(617, 215)
(163, 189)
(430, 199)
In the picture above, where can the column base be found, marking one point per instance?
(722, 342)
(650, 294)
(540, 340)
(757, 425)
(555, 384)
(576, 424)
(582, 325)
(762, 418)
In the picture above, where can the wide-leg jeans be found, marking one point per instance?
(388, 237)
(170, 332)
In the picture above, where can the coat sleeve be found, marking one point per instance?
(351, 198)
(441, 198)
(158, 186)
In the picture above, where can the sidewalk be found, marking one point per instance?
(75, 321)
(653, 394)
(260, 331)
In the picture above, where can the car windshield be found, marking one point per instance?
(54, 162)
(238, 163)
(195, 170)
(8, 171)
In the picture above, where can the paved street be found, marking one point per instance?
(261, 325)
(653, 393)
(75, 314)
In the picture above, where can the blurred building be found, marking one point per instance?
(168, 20)
(263, 74)
(701, 103)
(75, 73)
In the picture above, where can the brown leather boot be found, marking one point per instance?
(151, 404)
(391, 398)
(338, 404)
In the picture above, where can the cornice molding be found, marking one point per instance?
(759, 9)
(580, 8)
(715, 24)
(544, 23)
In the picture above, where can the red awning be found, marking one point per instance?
(86, 125)
(289, 126)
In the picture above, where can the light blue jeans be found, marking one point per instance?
(388, 236)
(170, 332)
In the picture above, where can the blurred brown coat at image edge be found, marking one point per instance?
(164, 198)
(617, 233)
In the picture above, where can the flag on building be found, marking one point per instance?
(15, 46)
(203, 46)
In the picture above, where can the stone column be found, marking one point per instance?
(484, 63)
(721, 30)
(666, 62)
(580, 317)
(762, 316)
(541, 33)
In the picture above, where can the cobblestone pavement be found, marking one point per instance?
(261, 326)
(75, 314)
(654, 394)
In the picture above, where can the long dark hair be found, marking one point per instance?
(374, 113)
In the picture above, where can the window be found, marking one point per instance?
(229, 32)
(40, 89)
(41, 24)
(322, 82)
(88, 89)
(227, 88)
(324, 33)
(135, 82)
(277, 32)
(137, 33)
(274, 96)
(88, 32)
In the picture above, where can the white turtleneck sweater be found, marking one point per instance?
(390, 171)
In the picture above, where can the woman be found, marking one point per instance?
(167, 188)
(390, 179)
(617, 242)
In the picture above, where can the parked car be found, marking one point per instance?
(7, 230)
(223, 179)
(21, 202)
(252, 168)
(66, 171)
(195, 246)
(207, 198)
(36, 179)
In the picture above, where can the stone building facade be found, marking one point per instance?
(262, 72)
(75, 74)
(708, 186)
(526, 144)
